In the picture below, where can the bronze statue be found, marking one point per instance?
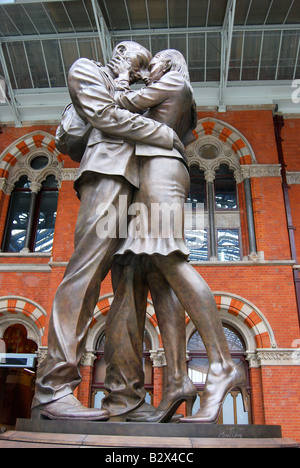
(160, 260)
(140, 159)
(109, 166)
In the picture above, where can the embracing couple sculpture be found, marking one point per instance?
(133, 150)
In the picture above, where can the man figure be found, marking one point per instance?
(109, 170)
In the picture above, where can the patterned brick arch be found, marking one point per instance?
(103, 306)
(241, 313)
(23, 147)
(226, 134)
(247, 313)
(13, 307)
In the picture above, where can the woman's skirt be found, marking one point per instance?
(156, 216)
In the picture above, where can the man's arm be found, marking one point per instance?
(94, 104)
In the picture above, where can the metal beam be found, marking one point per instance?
(11, 100)
(103, 32)
(227, 32)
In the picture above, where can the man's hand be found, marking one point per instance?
(177, 144)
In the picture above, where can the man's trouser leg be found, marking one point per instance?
(125, 333)
(77, 296)
(124, 337)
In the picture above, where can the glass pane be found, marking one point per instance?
(78, 16)
(50, 182)
(178, 43)
(252, 45)
(54, 63)
(228, 245)
(228, 412)
(225, 189)
(37, 64)
(17, 221)
(59, 16)
(198, 369)
(46, 222)
(40, 19)
(158, 43)
(69, 52)
(7, 27)
(98, 398)
(233, 340)
(196, 57)
(196, 343)
(196, 242)
(288, 55)
(178, 13)
(278, 12)
(197, 13)
(137, 14)
(242, 416)
(9, 67)
(235, 58)
(87, 49)
(158, 13)
(39, 162)
(19, 63)
(117, 14)
(20, 19)
(269, 55)
(197, 192)
(217, 10)
(213, 57)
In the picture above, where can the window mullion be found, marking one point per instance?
(211, 220)
(35, 187)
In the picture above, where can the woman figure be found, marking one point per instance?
(164, 181)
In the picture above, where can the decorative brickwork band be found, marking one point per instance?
(14, 309)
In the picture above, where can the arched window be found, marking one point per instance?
(232, 411)
(32, 213)
(219, 236)
(98, 391)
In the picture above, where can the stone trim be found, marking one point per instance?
(273, 357)
(260, 170)
(293, 178)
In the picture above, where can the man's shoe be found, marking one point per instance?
(68, 408)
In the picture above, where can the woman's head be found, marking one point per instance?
(165, 61)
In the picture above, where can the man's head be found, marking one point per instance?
(130, 56)
(165, 61)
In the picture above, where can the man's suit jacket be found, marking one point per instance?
(110, 149)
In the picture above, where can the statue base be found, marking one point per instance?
(150, 429)
(146, 441)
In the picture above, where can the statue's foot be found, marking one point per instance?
(216, 390)
(68, 408)
(173, 397)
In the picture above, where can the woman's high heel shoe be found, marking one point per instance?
(170, 403)
(215, 394)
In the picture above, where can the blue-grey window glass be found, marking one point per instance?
(196, 242)
(39, 162)
(16, 226)
(46, 216)
(225, 189)
(197, 192)
(228, 245)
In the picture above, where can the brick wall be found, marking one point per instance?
(269, 286)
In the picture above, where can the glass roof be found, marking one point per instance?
(41, 40)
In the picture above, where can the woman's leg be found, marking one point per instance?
(198, 300)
